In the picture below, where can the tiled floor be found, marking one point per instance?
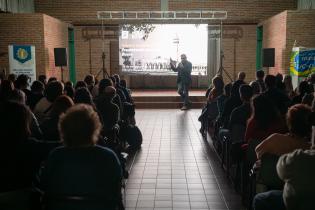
(175, 168)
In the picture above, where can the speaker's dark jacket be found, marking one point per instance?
(183, 72)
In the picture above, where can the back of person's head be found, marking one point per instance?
(83, 95)
(79, 126)
(246, 92)
(80, 84)
(264, 111)
(69, 84)
(117, 77)
(287, 80)
(260, 74)
(235, 88)
(312, 78)
(53, 90)
(218, 83)
(51, 79)
(113, 80)
(308, 99)
(227, 89)
(22, 81)
(17, 96)
(7, 87)
(123, 83)
(15, 122)
(299, 121)
(12, 77)
(270, 81)
(43, 79)
(304, 88)
(129, 111)
(241, 75)
(89, 80)
(256, 87)
(110, 92)
(37, 87)
(69, 91)
(279, 77)
(103, 84)
(61, 105)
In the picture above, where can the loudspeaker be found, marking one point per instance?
(60, 56)
(268, 57)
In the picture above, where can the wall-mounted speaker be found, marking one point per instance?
(268, 57)
(60, 56)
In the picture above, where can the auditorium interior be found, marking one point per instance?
(157, 104)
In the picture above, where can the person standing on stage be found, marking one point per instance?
(183, 79)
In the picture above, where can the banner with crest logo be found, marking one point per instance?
(22, 60)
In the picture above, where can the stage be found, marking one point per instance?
(166, 98)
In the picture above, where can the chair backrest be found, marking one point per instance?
(267, 174)
(238, 133)
(251, 156)
(56, 201)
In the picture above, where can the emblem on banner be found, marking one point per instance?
(22, 53)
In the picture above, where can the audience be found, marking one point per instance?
(106, 107)
(49, 126)
(90, 81)
(265, 120)
(260, 75)
(276, 95)
(82, 95)
(108, 110)
(298, 137)
(256, 87)
(241, 114)
(287, 80)
(303, 89)
(43, 107)
(20, 156)
(37, 93)
(88, 172)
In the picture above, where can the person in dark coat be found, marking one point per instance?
(183, 79)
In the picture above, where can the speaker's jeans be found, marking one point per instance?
(182, 89)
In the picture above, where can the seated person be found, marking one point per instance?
(20, 155)
(298, 136)
(108, 110)
(265, 120)
(80, 168)
(43, 107)
(298, 193)
(49, 127)
(241, 113)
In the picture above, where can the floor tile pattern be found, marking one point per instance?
(176, 168)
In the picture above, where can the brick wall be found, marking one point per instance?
(282, 30)
(55, 36)
(238, 10)
(274, 36)
(300, 27)
(239, 53)
(75, 11)
(22, 29)
(42, 31)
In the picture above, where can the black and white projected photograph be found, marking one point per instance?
(149, 48)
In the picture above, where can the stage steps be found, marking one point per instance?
(171, 101)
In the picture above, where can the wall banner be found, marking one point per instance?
(302, 61)
(22, 60)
